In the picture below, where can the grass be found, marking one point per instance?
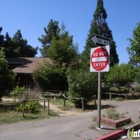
(8, 114)
(60, 101)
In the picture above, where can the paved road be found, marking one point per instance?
(65, 128)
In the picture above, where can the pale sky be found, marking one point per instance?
(31, 16)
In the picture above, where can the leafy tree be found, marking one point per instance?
(51, 31)
(121, 74)
(81, 84)
(99, 26)
(134, 48)
(7, 76)
(49, 77)
(63, 51)
(17, 46)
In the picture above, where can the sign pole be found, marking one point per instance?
(99, 101)
(99, 62)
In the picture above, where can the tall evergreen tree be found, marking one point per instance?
(17, 46)
(51, 31)
(63, 51)
(99, 27)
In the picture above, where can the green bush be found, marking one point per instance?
(18, 90)
(50, 77)
(137, 88)
(117, 90)
(29, 107)
(81, 84)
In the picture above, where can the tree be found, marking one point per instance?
(51, 31)
(63, 51)
(121, 74)
(17, 46)
(99, 26)
(7, 76)
(134, 48)
(50, 77)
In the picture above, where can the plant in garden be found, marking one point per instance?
(29, 107)
(111, 113)
(18, 90)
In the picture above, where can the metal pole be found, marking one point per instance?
(99, 101)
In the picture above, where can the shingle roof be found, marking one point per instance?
(26, 64)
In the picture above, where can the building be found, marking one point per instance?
(24, 68)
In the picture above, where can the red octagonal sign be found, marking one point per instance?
(99, 59)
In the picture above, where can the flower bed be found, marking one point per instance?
(114, 123)
(113, 118)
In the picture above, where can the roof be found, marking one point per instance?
(26, 64)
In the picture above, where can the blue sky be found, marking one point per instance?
(31, 16)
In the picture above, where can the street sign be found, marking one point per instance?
(99, 40)
(99, 59)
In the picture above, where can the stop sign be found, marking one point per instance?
(99, 59)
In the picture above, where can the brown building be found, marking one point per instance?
(24, 68)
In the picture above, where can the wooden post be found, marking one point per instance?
(23, 108)
(64, 101)
(94, 99)
(82, 101)
(48, 106)
(110, 96)
(44, 104)
(14, 97)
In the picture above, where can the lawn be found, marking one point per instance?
(9, 115)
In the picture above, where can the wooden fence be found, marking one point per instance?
(49, 97)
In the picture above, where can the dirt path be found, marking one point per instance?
(54, 108)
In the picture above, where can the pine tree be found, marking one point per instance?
(99, 27)
(51, 31)
(17, 46)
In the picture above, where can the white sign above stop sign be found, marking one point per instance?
(99, 59)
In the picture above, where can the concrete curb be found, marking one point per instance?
(117, 134)
(114, 135)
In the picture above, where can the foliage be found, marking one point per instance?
(81, 84)
(8, 114)
(7, 76)
(137, 74)
(111, 113)
(99, 26)
(50, 77)
(137, 88)
(63, 51)
(117, 90)
(134, 48)
(29, 107)
(51, 31)
(17, 46)
(18, 90)
(121, 74)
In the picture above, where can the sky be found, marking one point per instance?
(31, 16)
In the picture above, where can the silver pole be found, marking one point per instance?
(99, 101)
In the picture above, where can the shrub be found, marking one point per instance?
(49, 77)
(29, 107)
(18, 90)
(137, 88)
(81, 84)
(111, 113)
(117, 90)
